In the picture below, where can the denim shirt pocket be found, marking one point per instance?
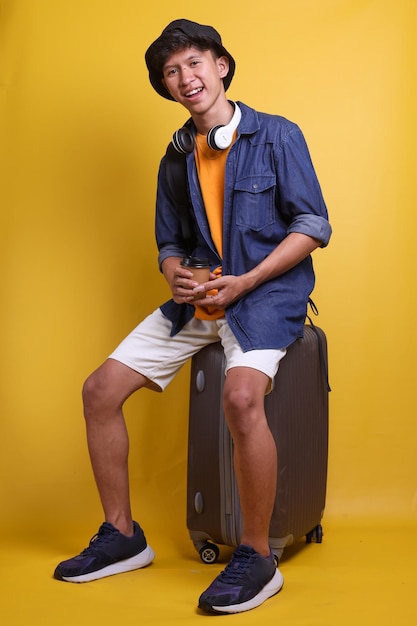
(254, 201)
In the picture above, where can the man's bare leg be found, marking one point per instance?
(104, 394)
(255, 454)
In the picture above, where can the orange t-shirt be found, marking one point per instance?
(211, 166)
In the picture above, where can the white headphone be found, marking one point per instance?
(218, 138)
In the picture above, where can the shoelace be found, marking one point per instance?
(105, 534)
(237, 567)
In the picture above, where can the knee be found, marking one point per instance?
(241, 410)
(238, 400)
(94, 395)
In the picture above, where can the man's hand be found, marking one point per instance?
(222, 291)
(180, 280)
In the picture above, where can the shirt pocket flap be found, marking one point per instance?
(255, 184)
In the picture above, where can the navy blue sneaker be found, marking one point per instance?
(248, 580)
(110, 552)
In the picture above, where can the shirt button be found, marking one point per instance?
(255, 185)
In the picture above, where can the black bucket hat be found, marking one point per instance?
(192, 29)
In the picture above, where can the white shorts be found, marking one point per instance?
(150, 350)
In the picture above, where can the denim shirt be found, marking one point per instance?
(271, 190)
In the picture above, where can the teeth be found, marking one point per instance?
(192, 93)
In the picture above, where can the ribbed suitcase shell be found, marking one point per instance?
(297, 412)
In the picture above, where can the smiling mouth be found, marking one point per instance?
(193, 92)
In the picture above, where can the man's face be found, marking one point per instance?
(194, 78)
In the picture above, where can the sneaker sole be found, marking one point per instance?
(270, 589)
(142, 559)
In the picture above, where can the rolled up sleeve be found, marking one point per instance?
(312, 225)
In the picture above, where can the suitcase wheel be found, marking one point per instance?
(209, 553)
(315, 535)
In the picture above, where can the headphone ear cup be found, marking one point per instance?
(183, 140)
(211, 138)
(221, 137)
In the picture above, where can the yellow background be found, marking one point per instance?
(81, 135)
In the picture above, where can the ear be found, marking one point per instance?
(223, 65)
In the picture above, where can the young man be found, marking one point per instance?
(258, 213)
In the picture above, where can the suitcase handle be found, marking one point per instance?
(323, 363)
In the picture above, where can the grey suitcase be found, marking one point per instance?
(297, 412)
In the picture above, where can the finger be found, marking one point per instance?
(182, 272)
(199, 289)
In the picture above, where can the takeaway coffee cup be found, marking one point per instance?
(200, 268)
